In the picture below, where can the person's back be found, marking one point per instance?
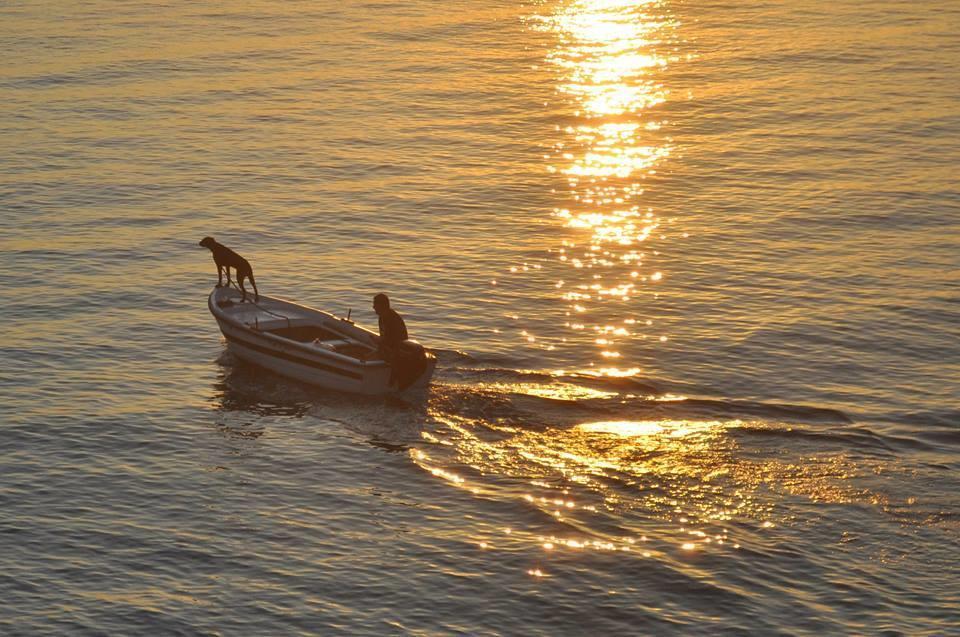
(393, 330)
(407, 360)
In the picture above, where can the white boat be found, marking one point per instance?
(313, 346)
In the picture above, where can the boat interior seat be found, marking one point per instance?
(305, 333)
(331, 344)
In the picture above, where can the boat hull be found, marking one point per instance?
(250, 339)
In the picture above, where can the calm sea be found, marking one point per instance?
(691, 270)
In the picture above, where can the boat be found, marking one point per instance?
(316, 347)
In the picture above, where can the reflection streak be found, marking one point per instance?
(641, 485)
(609, 63)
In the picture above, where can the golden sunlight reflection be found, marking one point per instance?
(672, 485)
(554, 392)
(577, 468)
(665, 467)
(674, 428)
(609, 61)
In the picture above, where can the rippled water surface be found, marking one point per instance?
(690, 269)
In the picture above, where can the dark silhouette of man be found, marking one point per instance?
(393, 330)
(407, 359)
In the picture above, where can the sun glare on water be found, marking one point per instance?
(681, 477)
(609, 60)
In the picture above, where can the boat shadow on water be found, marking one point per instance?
(248, 397)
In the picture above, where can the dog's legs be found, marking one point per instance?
(242, 289)
(256, 295)
(219, 276)
(227, 269)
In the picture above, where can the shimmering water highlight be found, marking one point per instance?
(690, 270)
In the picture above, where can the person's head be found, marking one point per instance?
(381, 303)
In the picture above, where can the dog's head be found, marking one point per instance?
(208, 242)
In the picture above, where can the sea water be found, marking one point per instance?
(690, 269)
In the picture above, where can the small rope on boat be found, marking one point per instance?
(257, 304)
(286, 318)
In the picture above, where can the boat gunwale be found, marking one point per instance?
(294, 357)
(220, 315)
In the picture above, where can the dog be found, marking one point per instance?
(225, 258)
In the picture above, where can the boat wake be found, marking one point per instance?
(535, 400)
(584, 458)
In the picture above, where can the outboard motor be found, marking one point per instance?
(409, 363)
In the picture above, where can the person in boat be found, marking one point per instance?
(393, 330)
(390, 343)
